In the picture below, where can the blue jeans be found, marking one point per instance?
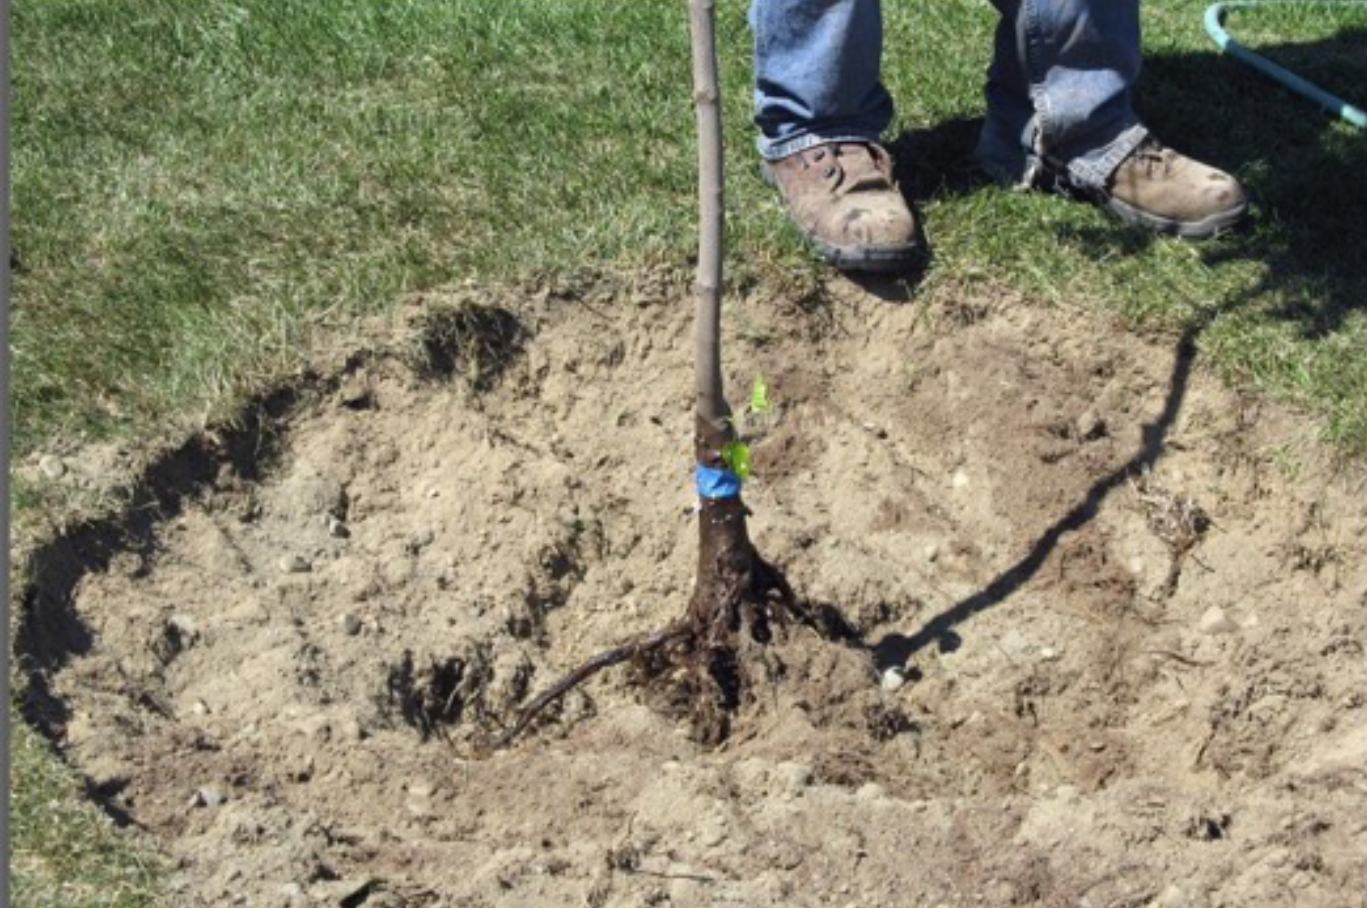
(1058, 89)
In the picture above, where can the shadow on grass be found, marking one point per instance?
(937, 162)
(1307, 177)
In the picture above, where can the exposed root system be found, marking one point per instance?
(740, 600)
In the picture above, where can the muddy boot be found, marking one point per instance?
(1157, 188)
(843, 198)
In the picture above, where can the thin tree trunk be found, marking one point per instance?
(726, 559)
(714, 425)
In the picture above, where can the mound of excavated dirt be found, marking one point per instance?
(1112, 620)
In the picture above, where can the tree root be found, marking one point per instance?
(702, 653)
(605, 659)
(739, 597)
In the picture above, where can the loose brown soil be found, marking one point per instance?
(1127, 603)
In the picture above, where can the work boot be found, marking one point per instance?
(1157, 188)
(844, 200)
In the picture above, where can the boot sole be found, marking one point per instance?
(1209, 226)
(875, 259)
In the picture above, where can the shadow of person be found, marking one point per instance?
(895, 649)
(1307, 177)
(937, 162)
(1306, 174)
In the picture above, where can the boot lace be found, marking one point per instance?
(1152, 157)
(854, 166)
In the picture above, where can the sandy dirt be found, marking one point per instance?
(1112, 619)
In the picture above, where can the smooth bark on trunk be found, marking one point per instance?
(734, 587)
(724, 550)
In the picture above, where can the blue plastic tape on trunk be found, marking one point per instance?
(713, 483)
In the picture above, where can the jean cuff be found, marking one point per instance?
(772, 151)
(1092, 171)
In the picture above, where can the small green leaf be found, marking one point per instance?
(736, 455)
(759, 395)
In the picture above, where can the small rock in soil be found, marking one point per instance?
(183, 628)
(317, 727)
(295, 564)
(1215, 621)
(795, 776)
(355, 392)
(208, 796)
(1048, 653)
(351, 624)
(420, 540)
(893, 679)
(1172, 897)
(959, 480)
(337, 529)
(871, 791)
(52, 466)
(1090, 426)
(347, 892)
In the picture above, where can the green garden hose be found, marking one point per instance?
(1215, 19)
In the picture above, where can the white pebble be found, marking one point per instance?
(1171, 897)
(959, 480)
(893, 679)
(871, 791)
(184, 627)
(1215, 621)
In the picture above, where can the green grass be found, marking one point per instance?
(197, 184)
(198, 187)
(66, 854)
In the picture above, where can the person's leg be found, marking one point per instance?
(1059, 117)
(816, 73)
(820, 108)
(1059, 89)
